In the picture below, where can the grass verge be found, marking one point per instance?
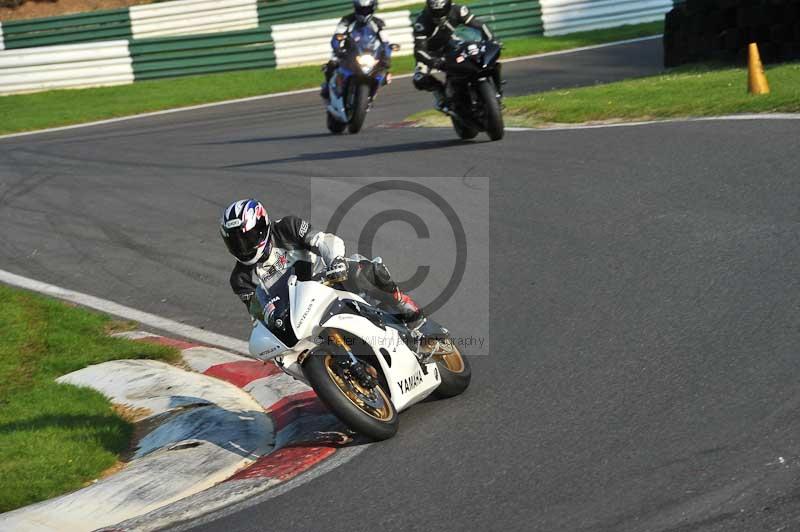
(54, 438)
(26, 112)
(694, 92)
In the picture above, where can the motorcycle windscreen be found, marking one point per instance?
(365, 40)
(468, 34)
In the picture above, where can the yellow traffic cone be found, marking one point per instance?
(756, 79)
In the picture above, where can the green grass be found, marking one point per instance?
(25, 112)
(54, 437)
(699, 91)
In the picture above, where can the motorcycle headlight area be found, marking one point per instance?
(366, 62)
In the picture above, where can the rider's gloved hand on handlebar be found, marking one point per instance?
(337, 270)
(438, 63)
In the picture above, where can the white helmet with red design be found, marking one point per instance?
(245, 228)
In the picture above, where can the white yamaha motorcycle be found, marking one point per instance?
(363, 363)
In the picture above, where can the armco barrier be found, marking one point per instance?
(286, 11)
(310, 42)
(568, 16)
(168, 57)
(511, 18)
(186, 37)
(69, 29)
(192, 17)
(69, 65)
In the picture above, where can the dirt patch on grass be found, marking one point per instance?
(118, 326)
(141, 427)
(53, 8)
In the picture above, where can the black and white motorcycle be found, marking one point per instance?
(365, 365)
(474, 85)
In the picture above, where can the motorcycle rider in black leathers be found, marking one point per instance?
(363, 13)
(433, 30)
(269, 250)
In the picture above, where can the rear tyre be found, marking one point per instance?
(359, 105)
(334, 126)
(455, 371)
(494, 115)
(367, 412)
(464, 132)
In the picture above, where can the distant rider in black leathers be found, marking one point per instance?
(433, 30)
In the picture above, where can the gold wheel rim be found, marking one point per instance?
(382, 413)
(451, 358)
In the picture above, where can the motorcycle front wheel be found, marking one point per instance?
(464, 132)
(334, 126)
(494, 115)
(367, 412)
(358, 106)
(455, 371)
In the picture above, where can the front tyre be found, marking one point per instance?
(334, 126)
(494, 115)
(455, 371)
(367, 412)
(464, 132)
(358, 107)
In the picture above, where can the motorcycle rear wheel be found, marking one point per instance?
(494, 115)
(367, 412)
(359, 104)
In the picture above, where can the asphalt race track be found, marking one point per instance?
(644, 369)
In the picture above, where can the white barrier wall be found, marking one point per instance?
(191, 17)
(568, 16)
(310, 42)
(384, 4)
(65, 66)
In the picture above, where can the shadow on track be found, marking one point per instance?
(257, 140)
(360, 152)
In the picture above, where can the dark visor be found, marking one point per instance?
(244, 244)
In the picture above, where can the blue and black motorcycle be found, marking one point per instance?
(362, 70)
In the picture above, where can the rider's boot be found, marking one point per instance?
(440, 100)
(324, 91)
(406, 309)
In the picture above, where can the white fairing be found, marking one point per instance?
(309, 301)
(408, 384)
(263, 344)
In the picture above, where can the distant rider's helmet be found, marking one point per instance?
(365, 9)
(439, 8)
(245, 229)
